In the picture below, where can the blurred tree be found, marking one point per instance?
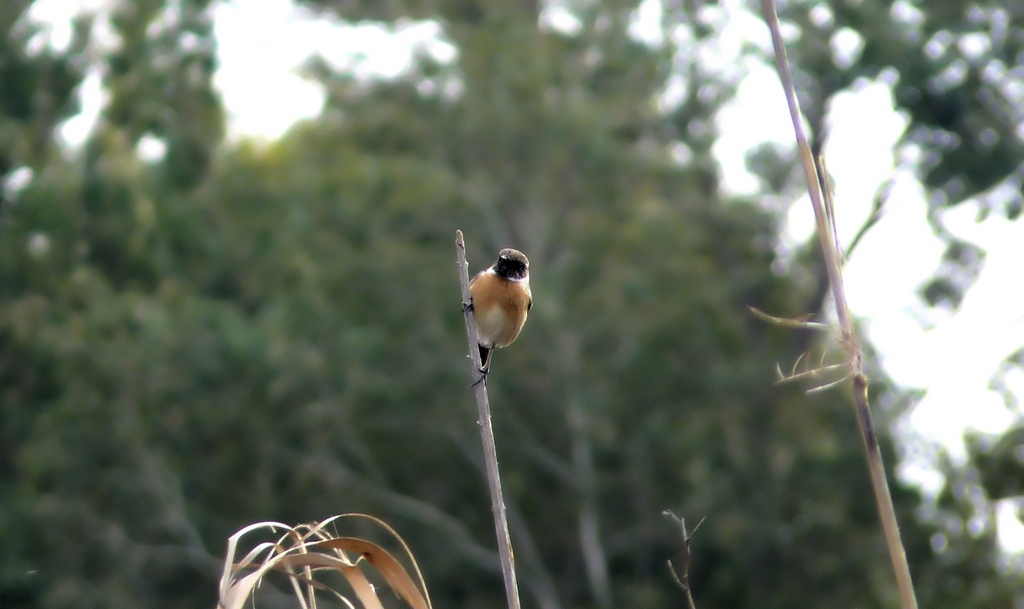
(160, 83)
(216, 337)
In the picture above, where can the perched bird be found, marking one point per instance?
(501, 299)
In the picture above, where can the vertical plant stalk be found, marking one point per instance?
(508, 569)
(854, 355)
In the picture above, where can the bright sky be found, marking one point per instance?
(951, 357)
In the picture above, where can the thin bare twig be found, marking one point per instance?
(508, 568)
(822, 205)
(682, 576)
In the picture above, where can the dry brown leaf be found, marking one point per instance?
(386, 564)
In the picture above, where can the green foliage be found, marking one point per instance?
(258, 332)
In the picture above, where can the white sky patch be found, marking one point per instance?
(988, 327)
(736, 30)
(150, 148)
(860, 158)
(56, 17)
(895, 257)
(1009, 524)
(75, 130)
(645, 25)
(18, 179)
(756, 115)
(559, 19)
(953, 361)
(846, 45)
(261, 50)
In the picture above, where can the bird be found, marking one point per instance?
(500, 298)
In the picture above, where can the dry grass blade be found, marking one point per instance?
(834, 383)
(813, 373)
(386, 564)
(305, 550)
(800, 322)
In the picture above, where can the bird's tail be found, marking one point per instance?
(485, 357)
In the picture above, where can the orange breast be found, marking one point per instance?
(500, 306)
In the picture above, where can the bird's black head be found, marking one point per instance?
(512, 264)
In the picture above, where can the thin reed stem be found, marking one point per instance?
(487, 435)
(822, 205)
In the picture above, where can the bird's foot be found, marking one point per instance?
(467, 306)
(483, 377)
